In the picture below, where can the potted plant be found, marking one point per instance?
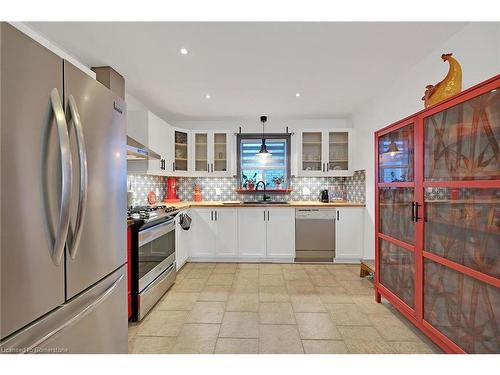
(278, 181)
(249, 183)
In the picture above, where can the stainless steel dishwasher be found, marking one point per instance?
(314, 234)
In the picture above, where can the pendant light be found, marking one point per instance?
(263, 153)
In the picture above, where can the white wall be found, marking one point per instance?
(476, 47)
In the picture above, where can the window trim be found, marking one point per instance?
(285, 136)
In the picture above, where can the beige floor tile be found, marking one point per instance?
(321, 280)
(295, 274)
(334, 294)
(203, 265)
(277, 339)
(272, 280)
(273, 294)
(276, 313)
(250, 286)
(271, 269)
(347, 314)
(324, 347)
(198, 345)
(247, 274)
(199, 330)
(307, 303)
(240, 325)
(225, 268)
(358, 286)
(367, 305)
(189, 285)
(344, 275)
(151, 345)
(300, 287)
(221, 279)
(393, 329)
(218, 293)
(316, 326)
(237, 346)
(368, 347)
(248, 266)
(292, 266)
(360, 333)
(206, 312)
(411, 347)
(178, 301)
(243, 302)
(132, 329)
(199, 273)
(162, 323)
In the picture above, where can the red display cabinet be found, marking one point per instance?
(437, 222)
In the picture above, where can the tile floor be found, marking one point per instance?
(273, 308)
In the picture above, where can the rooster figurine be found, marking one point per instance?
(449, 86)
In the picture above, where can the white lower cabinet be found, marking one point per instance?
(226, 232)
(213, 233)
(181, 245)
(266, 233)
(201, 233)
(281, 233)
(251, 233)
(349, 234)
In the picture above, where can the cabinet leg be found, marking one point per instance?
(378, 297)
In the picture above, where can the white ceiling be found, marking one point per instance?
(251, 68)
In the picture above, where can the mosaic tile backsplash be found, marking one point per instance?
(222, 188)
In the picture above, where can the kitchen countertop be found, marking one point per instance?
(292, 204)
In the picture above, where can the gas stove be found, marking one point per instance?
(148, 216)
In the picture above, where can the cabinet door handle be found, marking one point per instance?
(215, 215)
(327, 167)
(417, 218)
(268, 215)
(412, 211)
(208, 167)
(173, 166)
(212, 168)
(323, 167)
(211, 215)
(338, 215)
(264, 215)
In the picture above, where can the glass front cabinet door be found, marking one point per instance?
(211, 154)
(323, 153)
(181, 152)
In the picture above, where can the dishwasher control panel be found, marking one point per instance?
(315, 213)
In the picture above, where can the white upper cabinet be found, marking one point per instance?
(211, 154)
(182, 152)
(348, 233)
(153, 132)
(323, 153)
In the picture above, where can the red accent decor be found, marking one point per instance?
(151, 197)
(437, 219)
(129, 271)
(171, 191)
(274, 191)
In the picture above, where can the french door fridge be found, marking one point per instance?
(63, 205)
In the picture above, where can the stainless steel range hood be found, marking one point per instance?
(137, 151)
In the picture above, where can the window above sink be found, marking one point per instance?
(274, 170)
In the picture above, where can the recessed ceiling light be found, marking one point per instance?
(183, 51)
(297, 94)
(207, 96)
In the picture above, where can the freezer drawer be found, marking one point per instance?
(93, 322)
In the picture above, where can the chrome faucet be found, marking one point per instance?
(265, 197)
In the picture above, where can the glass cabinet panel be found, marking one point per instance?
(181, 151)
(397, 271)
(220, 152)
(463, 225)
(462, 142)
(338, 152)
(464, 309)
(201, 152)
(395, 213)
(312, 151)
(396, 152)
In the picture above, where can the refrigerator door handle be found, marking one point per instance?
(75, 235)
(66, 176)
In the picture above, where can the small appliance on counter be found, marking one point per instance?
(171, 191)
(323, 196)
(197, 193)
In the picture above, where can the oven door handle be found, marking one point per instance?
(155, 232)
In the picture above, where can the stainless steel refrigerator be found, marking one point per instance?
(63, 205)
